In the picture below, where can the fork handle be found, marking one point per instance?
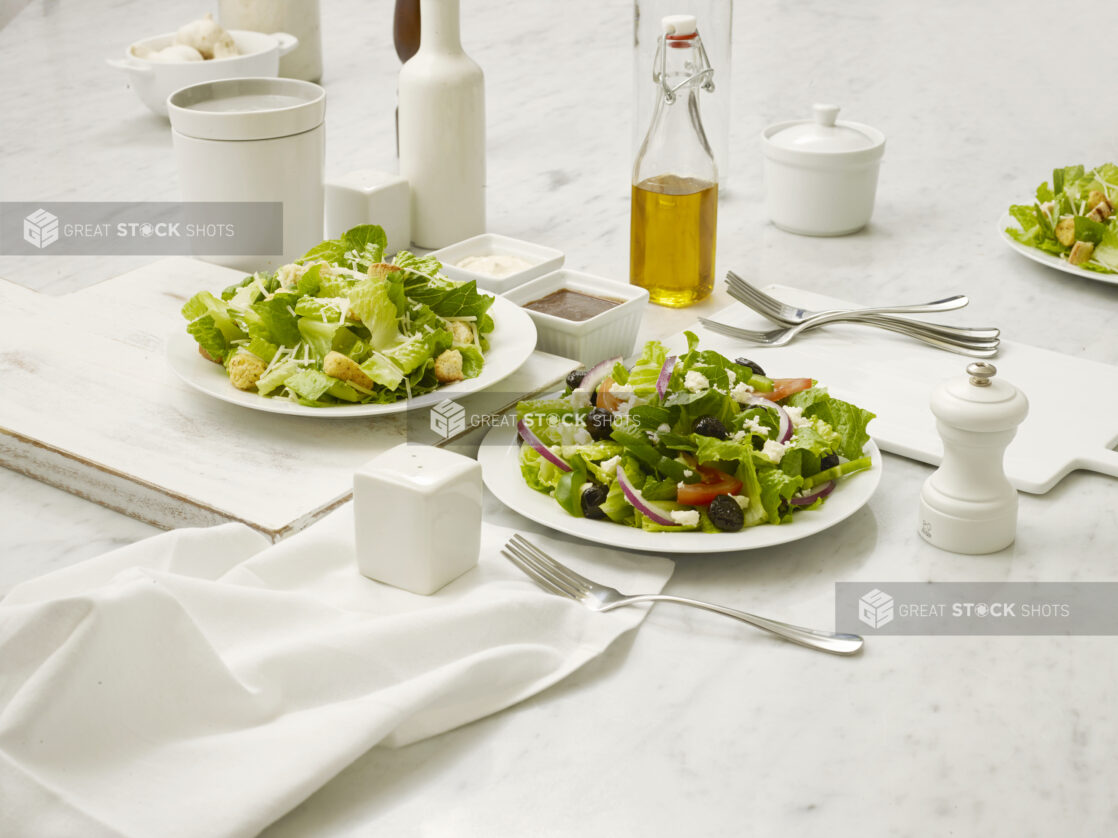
(939, 329)
(824, 641)
(961, 346)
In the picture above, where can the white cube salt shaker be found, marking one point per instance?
(417, 517)
(369, 196)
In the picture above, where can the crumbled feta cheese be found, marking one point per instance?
(622, 392)
(741, 392)
(610, 466)
(687, 472)
(773, 450)
(567, 433)
(754, 426)
(796, 414)
(663, 428)
(685, 517)
(732, 376)
(582, 437)
(580, 397)
(695, 381)
(741, 500)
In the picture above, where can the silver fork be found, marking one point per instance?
(780, 312)
(557, 578)
(780, 337)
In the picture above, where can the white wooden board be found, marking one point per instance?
(88, 404)
(1073, 402)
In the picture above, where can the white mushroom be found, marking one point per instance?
(173, 53)
(207, 36)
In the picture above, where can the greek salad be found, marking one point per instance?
(343, 326)
(1073, 217)
(696, 442)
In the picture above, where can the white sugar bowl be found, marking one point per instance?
(821, 174)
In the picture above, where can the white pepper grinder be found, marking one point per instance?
(968, 505)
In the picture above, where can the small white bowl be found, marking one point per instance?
(613, 332)
(542, 260)
(154, 81)
(820, 174)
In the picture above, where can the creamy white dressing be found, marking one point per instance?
(495, 265)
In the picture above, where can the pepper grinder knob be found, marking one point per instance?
(968, 505)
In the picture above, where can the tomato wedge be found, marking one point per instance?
(714, 483)
(784, 387)
(606, 399)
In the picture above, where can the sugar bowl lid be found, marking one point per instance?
(824, 136)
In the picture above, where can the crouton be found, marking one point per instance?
(381, 269)
(207, 355)
(1065, 231)
(1081, 253)
(1098, 214)
(448, 366)
(1096, 198)
(461, 332)
(245, 369)
(343, 367)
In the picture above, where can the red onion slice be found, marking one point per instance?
(784, 432)
(639, 503)
(545, 452)
(665, 376)
(820, 491)
(597, 373)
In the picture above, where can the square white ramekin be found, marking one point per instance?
(613, 332)
(543, 260)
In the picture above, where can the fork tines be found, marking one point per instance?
(544, 570)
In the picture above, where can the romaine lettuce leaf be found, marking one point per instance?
(205, 331)
(278, 323)
(372, 302)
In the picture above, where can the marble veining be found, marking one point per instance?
(694, 725)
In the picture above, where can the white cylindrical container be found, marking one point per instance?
(821, 174)
(254, 140)
(301, 18)
(442, 132)
(968, 505)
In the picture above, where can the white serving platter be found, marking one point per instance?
(90, 405)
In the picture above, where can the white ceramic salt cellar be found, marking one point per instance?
(968, 505)
(368, 196)
(821, 174)
(417, 517)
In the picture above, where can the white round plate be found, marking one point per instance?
(1049, 259)
(511, 342)
(500, 468)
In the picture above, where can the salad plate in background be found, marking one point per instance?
(342, 333)
(698, 454)
(1071, 225)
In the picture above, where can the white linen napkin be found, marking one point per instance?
(204, 682)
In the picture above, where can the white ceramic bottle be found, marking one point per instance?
(442, 132)
(968, 505)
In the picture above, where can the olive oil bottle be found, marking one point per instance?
(675, 179)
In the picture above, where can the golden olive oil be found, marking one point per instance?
(672, 237)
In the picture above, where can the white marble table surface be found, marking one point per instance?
(693, 725)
